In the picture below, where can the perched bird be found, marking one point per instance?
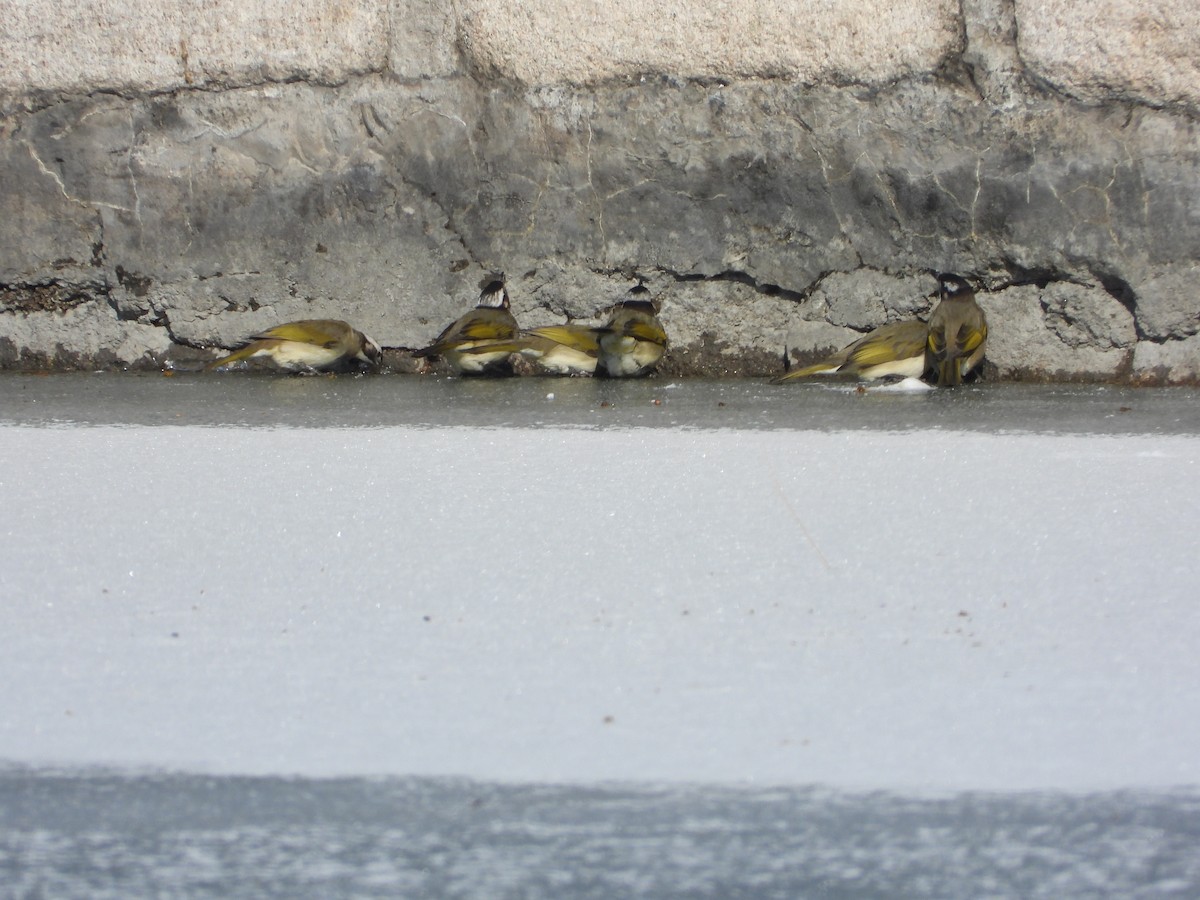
(562, 349)
(481, 341)
(957, 332)
(633, 340)
(314, 344)
(890, 350)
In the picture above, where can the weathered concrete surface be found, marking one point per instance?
(155, 45)
(551, 42)
(1143, 50)
(769, 213)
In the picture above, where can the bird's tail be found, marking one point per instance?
(949, 372)
(806, 372)
(235, 357)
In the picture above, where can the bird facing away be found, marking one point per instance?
(896, 350)
(562, 349)
(481, 341)
(957, 332)
(633, 340)
(309, 344)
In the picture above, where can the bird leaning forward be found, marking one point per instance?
(957, 332)
(562, 349)
(896, 350)
(481, 341)
(308, 345)
(633, 340)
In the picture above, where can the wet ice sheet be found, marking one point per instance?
(912, 609)
(99, 835)
(375, 402)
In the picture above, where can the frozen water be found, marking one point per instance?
(696, 581)
(100, 835)
(596, 600)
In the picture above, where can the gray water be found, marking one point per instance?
(258, 400)
(98, 834)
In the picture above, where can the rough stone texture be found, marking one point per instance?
(1145, 50)
(1064, 331)
(550, 42)
(1168, 304)
(424, 39)
(154, 45)
(865, 299)
(83, 336)
(1177, 362)
(767, 214)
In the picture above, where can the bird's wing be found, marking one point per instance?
(498, 346)
(641, 330)
(586, 340)
(320, 332)
(487, 330)
(971, 336)
(902, 341)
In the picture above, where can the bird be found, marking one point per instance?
(562, 349)
(481, 341)
(633, 340)
(309, 344)
(957, 332)
(895, 350)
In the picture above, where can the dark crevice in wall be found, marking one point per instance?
(52, 295)
(1041, 276)
(736, 276)
(1121, 291)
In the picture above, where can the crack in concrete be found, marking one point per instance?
(223, 134)
(595, 197)
(91, 205)
(736, 276)
(978, 191)
(133, 183)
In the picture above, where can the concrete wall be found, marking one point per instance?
(176, 175)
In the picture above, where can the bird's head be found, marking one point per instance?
(493, 292)
(953, 286)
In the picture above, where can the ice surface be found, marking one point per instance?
(107, 836)
(581, 599)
